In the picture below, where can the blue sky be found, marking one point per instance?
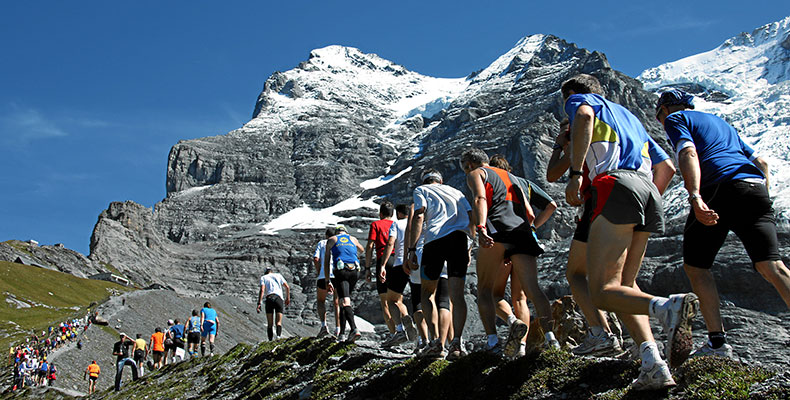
(94, 93)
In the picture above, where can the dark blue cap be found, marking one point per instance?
(675, 97)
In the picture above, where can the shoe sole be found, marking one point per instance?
(411, 331)
(655, 386)
(680, 342)
(517, 333)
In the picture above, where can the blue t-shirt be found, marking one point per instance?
(210, 314)
(194, 324)
(178, 331)
(657, 154)
(723, 156)
(619, 140)
(344, 250)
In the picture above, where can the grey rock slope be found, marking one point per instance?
(341, 118)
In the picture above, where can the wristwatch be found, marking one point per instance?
(575, 173)
(693, 196)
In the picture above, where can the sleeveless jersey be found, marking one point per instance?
(344, 250)
(507, 209)
(194, 324)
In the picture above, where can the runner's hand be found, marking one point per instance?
(406, 269)
(704, 214)
(484, 240)
(413, 264)
(572, 195)
(288, 301)
(367, 275)
(383, 275)
(258, 309)
(330, 288)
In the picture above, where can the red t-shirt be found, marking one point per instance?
(379, 234)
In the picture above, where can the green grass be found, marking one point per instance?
(55, 296)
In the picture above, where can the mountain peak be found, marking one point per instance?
(342, 58)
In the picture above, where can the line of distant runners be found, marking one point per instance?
(616, 176)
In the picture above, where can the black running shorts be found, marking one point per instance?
(628, 197)
(321, 284)
(396, 279)
(522, 240)
(451, 249)
(745, 209)
(193, 337)
(415, 292)
(274, 303)
(583, 222)
(381, 287)
(344, 282)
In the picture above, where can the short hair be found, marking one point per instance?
(499, 161)
(581, 84)
(329, 232)
(139, 335)
(474, 156)
(177, 321)
(194, 313)
(386, 208)
(207, 304)
(158, 329)
(402, 209)
(431, 175)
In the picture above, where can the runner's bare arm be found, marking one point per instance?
(368, 256)
(560, 158)
(581, 136)
(327, 258)
(762, 164)
(545, 214)
(260, 298)
(688, 162)
(474, 180)
(287, 293)
(662, 174)
(387, 253)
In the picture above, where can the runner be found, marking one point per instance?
(121, 351)
(193, 333)
(627, 208)
(318, 262)
(272, 285)
(92, 374)
(377, 238)
(503, 220)
(728, 185)
(341, 251)
(176, 334)
(446, 214)
(139, 352)
(599, 341)
(415, 286)
(209, 325)
(157, 347)
(538, 199)
(396, 278)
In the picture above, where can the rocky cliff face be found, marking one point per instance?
(345, 128)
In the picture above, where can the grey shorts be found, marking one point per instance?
(628, 197)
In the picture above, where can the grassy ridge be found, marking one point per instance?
(54, 296)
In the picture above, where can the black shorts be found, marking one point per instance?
(321, 284)
(583, 222)
(745, 209)
(519, 241)
(178, 343)
(451, 249)
(442, 294)
(139, 355)
(193, 337)
(396, 279)
(381, 287)
(344, 282)
(274, 303)
(416, 296)
(94, 378)
(158, 353)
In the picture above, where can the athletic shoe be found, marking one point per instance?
(396, 339)
(353, 336)
(522, 350)
(604, 345)
(677, 326)
(723, 351)
(411, 331)
(552, 344)
(496, 349)
(433, 351)
(419, 347)
(518, 330)
(456, 350)
(657, 377)
(323, 332)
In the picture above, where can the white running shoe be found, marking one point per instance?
(605, 344)
(657, 377)
(324, 331)
(706, 350)
(408, 324)
(456, 350)
(677, 326)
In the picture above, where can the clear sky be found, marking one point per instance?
(94, 93)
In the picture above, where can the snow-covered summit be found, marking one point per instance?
(746, 81)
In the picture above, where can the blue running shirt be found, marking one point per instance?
(619, 140)
(723, 156)
(344, 250)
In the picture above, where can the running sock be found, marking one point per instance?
(717, 339)
(649, 353)
(492, 340)
(511, 319)
(550, 336)
(279, 330)
(596, 330)
(399, 328)
(202, 349)
(337, 330)
(350, 317)
(270, 332)
(211, 347)
(659, 307)
(342, 328)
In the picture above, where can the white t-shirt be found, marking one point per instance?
(446, 210)
(273, 284)
(398, 231)
(320, 251)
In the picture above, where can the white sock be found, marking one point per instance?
(399, 328)
(550, 336)
(596, 330)
(511, 319)
(337, 330)
(492, 340)
(650, 354)
(659, 307)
